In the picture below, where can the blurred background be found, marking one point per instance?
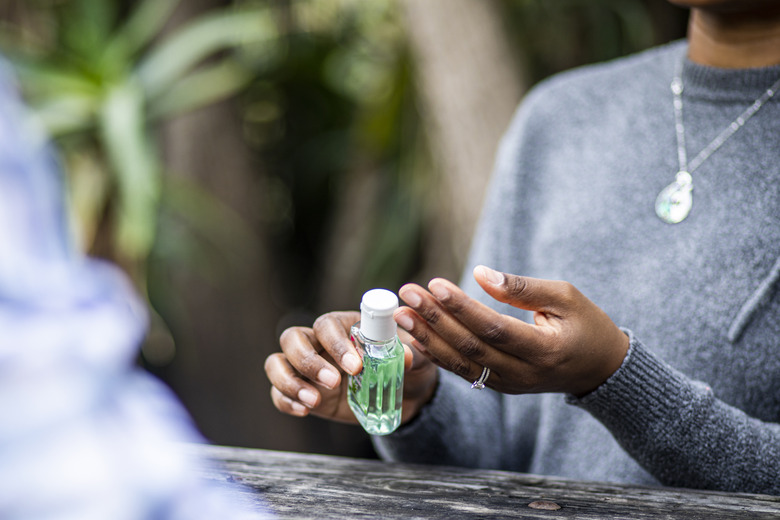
(254, 163)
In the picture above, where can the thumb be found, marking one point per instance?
(523, 292)
(414, 359)
(408, 357)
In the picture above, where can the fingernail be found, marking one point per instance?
(297, 407)
(438, 290)
(307, 396)
(494, 277)
(412, 298)
(352, 363)
(328, 377)
(404, 321)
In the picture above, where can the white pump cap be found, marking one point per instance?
(376, 314)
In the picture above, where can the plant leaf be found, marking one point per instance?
(144, 23)
(199, 39)
(88, 193)
(135, 167)
(66, 114)
(86, 27)
(201, 88)
(46, 81)
(214, 225)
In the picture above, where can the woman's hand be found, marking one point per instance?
(573, 346)
(310, 374)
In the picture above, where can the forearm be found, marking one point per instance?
(681, 433)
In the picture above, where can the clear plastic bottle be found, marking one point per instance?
(376, 393)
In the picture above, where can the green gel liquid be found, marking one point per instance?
(375, 395)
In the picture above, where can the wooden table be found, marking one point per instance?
(303, 486)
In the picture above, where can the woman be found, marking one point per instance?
(649, 184)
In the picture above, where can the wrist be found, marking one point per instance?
(617, 352)
(416, 399)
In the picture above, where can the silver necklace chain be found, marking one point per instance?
(674, 202)
(739, 122)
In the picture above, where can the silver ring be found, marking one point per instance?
(479, 384)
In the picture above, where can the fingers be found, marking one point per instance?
(442, 338)
(289, 393)
(420, 326)
(330, 331)
(546, 296)
(286, 405)
(493, 329)
(302, 350)
(304, 375)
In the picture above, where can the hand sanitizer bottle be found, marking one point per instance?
(376, 393)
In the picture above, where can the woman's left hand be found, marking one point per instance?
(573, 346)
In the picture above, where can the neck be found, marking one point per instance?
(729, 39)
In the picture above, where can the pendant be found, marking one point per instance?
(674, 202)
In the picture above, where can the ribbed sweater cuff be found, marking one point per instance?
(642, 394)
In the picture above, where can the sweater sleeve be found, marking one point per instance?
(680, 432)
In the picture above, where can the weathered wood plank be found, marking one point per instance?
(302, 486)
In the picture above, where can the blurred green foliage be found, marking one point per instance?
(340, 104)
(560, 34)
(100, 81)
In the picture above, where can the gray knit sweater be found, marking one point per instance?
(696, 402)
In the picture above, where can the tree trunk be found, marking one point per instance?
(230, 324)
(471, 81)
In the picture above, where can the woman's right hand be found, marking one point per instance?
(309, 375)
